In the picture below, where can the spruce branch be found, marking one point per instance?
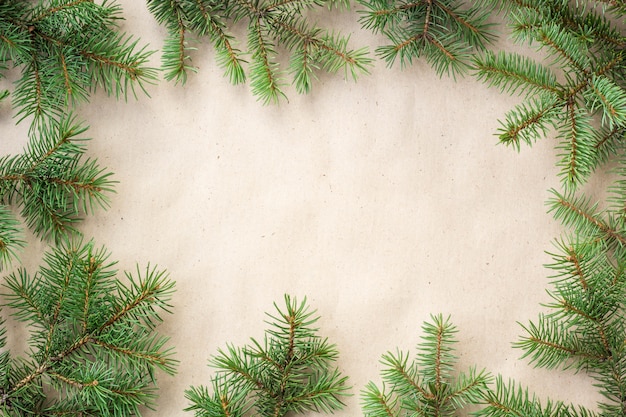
(175, 48)
(11, 237)
(442, 31)
(578, 213)
(617, 192)
(605, 94)
(289, 371)
(576, 149)
(51, 183)
(578, 93)
(608, 143)
(515, 74)
(529, 121)
(511, 400)
(93, 344)
(584, 328)
(66, 49)
(425, 386)
(273, 28)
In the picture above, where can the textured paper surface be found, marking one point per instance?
(381, 201)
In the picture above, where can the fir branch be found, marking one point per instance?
(11, 237)
(67, 48)
(377, 403)
(118, 65)
(605, 94)
(585, 47)
(513, 73)
(314, 50)
(565, 49)
(578, 213)
(470, 24)
(289, 372)
(607, 143)
(528, 122)
(222, 404)
(175, 50)
(30, 97)
(612, 384)
(76, 305)
(14, 41)
(585, 327)
(578, 157)
(425, 386)
(590, 26)
(379, 14)
(468, 389)
(511, 400)
(265, 78)
(51, 183)
(574, 262)
(552, 343)
(234, 362)
(436, 358)
(404, 377)
(309, 48)
(30, 301)
(228, 57)
(617, 192)
(440, 30)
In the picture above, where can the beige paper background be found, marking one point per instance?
(381, 201)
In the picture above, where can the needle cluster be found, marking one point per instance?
(447, 33)
(51, 184)
(290, 371)
(584, 327)
(577, 91)
(274, 28)
(65, 49)
(425, 386)
(93, 348)
(586, 324)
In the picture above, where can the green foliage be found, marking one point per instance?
(446, 32)
(511, 400)
(51, 183)
(425, 386)
(65, 49)
(290, 371)
(93, 346)
(585, 326)
(578, 92)
(271, 26)
(11, 238)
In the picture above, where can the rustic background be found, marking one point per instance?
(381, 201)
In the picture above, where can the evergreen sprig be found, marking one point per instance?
(51, 183)
(580, 86)
(272, 26)
(511, 400)
(66, 49)
(425, 386)
(289, 371)
(586, 323)
(93, 346)
(446, 32)
(11, 236)
(578, 213)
